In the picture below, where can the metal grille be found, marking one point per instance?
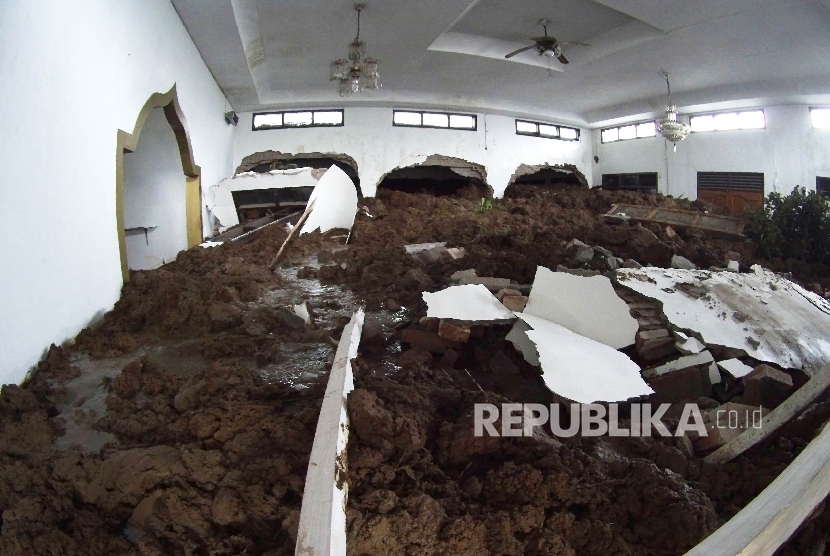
(645, 182)
(731, 181)
(823, 186)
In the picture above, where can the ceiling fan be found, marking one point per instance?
(547, 46)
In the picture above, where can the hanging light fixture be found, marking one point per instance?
(355, 73)
(670, 127)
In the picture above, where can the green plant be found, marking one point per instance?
(484, 204)
(795, 226)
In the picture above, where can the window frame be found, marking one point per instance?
(449, 116)
(303, 126)
(538, 133)
(636, 125)
(736, 112)
(823, 109)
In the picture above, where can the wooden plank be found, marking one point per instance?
(322, 529)
(776, 514)
(273, 264)
(791, 407)
(725, 225)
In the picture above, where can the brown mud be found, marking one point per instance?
(181, 423)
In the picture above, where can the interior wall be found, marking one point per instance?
(74, 73)
(369, 137)
(788, 151)
(154, 196)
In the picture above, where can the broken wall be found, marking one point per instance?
(789, 152)
(74, 74)
(378, 147)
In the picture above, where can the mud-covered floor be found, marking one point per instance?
(182, 423)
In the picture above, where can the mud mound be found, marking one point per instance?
(421, 483)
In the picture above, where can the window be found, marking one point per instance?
(440, 120)
(645, 183)
(820, 118)
(823, 186)
(629, 131)
(550, 131)
(297, 118)
(752, 119)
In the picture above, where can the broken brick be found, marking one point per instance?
(429, 323)
(429, 341)
(652, 350)
(448, 359)
(677, 386)
(502, 364)
(506, 292)
(515, 303)
(728, 422)
(415, 355)
(644, 336)
(455, 332)
(766, 386)
(649, 323)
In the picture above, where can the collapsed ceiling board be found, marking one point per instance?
(470, 303)
(275, 179)
(586, 305)
(580, 369)
(767, 316)
(219, 202)
(335, 202)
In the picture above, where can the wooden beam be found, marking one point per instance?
(777, 513)
(273, 264)
(322, 529)
(791, 407)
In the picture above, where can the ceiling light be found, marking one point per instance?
(670, 127)
(355, 73)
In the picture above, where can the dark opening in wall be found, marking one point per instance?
(274, 160)
(823, 186)
(547, 177)
(645, 182)
(436, 180)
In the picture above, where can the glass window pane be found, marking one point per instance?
(436, 120)
(703, 123)
(407, 118)
(526, 127)
(548, 130)
(328, 117)
(568, 133)
(646, 129)
(461, 121)
(752, 120)
(267, 120)
(628, 132)
(609, 135)
(727, 121)
(820, 118)
(297, 118)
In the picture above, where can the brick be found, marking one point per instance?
(415, 356)
(677, 386)
(515, 303)
(657, 349)
(766, 386)
(734, 419)
(506, 292)
(644, 336)
(429, 323)
(448, 359)
(650, 323)
(429, 341)
(686, 446)
(492, 284)
(454, 332)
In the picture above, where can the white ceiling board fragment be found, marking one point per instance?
(735, 367)
(471, 303)
(680, 363)
(580, 369)
(518, 337)
(335, 203)
(585, 305)
(767, 316)
(275, 179)
(219, 202)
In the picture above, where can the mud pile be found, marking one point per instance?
(209, 464)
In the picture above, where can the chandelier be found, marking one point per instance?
(355, 73)
(670, 127)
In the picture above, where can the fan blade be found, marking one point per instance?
(562, 59)
(520, 50)
(574, 43)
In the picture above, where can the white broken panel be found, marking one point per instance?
(210, 244)
(470, 303)
(679, 364)
(735, 367)
(580, 369)
(414, 248)
(275, 179)
(585, 305)
(767, 316)
(688, 345)
(219, 201)
(335, 203)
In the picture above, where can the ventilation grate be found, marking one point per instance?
(731, 181)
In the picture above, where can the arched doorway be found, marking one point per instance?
(439, 175)
(158, 194)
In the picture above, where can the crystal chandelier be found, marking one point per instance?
(670, 127)
(357, 72)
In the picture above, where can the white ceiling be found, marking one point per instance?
(449, 54)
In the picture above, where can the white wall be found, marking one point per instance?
(378, 148)
(154, 196)
(789, 153)
(74, 73)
